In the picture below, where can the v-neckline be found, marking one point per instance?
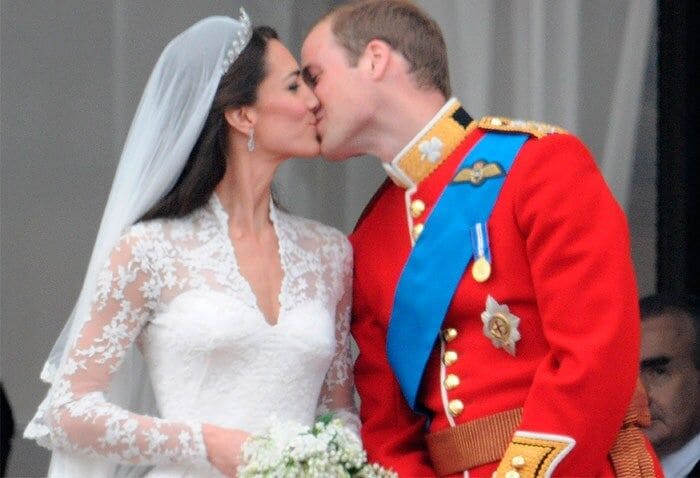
(252, 299)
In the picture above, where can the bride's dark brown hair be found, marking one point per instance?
(206, 163)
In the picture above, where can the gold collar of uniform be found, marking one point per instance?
(431, 146)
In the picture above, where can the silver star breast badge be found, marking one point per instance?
(500, 325)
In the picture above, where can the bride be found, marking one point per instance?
(206, 309)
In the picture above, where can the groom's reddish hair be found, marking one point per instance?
(401, 24)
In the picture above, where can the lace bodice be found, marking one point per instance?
(173, 289)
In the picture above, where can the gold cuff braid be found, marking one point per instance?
(533, 456)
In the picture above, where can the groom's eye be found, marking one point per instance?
(309, 78)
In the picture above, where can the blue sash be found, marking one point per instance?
(438, 261)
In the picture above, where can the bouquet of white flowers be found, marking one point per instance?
(288, 450)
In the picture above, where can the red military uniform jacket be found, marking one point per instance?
(561, 265)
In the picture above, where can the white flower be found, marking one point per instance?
(151, 288)
(431, 149)
(125, 276)
(104, 285)
(291, 450)
(155, 439)
(72, 366)
(184, 438)
(114, 332)
(169, 278)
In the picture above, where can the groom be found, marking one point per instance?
(495, 306)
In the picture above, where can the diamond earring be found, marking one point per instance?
(251, 140)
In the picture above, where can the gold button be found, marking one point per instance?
(512, 474)
(456, 407)
(417, 230)
(449, 358)
(448, 335)
(417, 208)
(451, 381)
(518, 462)
(481, 270)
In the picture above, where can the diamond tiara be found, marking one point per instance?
(239, 43)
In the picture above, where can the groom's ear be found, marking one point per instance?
(376, 58)
(241, 119)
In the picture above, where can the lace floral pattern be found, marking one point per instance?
(173, 289)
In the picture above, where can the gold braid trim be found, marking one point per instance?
(629, 455)
(533, 455)
(533, 128)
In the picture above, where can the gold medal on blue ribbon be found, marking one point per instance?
(481, 267)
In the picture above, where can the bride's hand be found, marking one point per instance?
(224, 447)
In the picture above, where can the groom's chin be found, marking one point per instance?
(334, 154)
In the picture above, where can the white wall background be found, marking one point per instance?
(72, 71)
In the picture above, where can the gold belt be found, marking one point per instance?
(474, 443)
(485, 440)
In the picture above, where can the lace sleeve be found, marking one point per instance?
(337, 393)
(80, 417)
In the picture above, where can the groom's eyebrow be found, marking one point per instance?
(293, 74)
(654, 362)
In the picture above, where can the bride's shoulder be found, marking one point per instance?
(146, 242)
(165, 229)
(143, 231)
(161, 233)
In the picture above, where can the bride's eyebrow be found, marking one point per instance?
(293, 74)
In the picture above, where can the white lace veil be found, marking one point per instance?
(167, 123)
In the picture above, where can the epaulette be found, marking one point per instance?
(533, 128)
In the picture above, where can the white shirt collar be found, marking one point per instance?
(681, 462)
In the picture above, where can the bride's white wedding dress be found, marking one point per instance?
(172, 287)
